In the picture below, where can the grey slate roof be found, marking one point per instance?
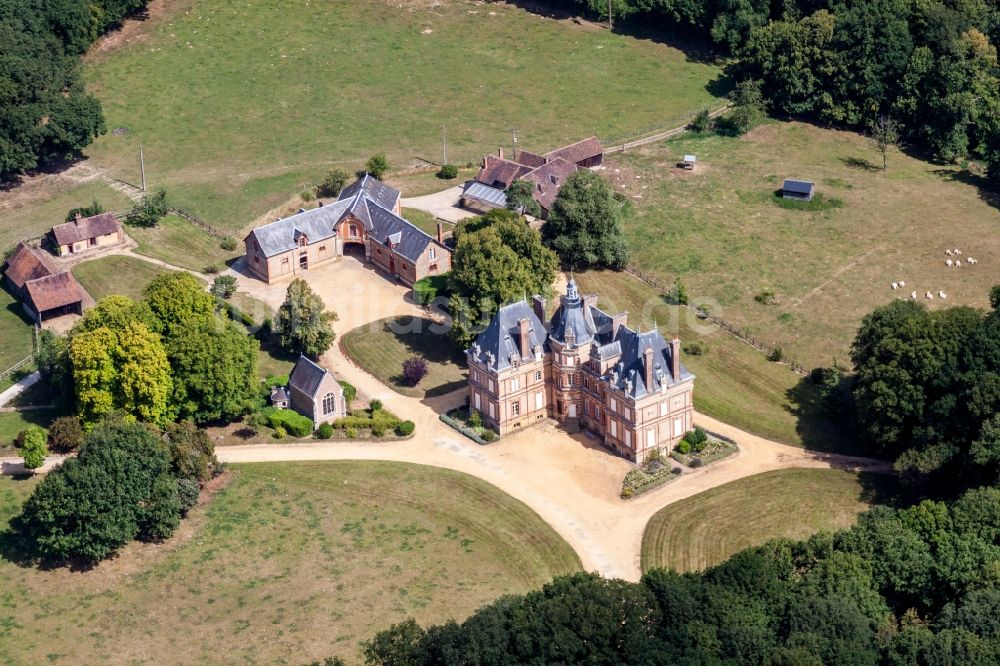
(307, 376)
(375, 189)
(499, 341)
(317, 224)
(798, 186)
(572, 317)
(407, 240)
(629, 374)
(486, 194)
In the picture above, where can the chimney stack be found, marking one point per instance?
(538, 304)
(77, 216)
(523, 331)
(440, 233)
(675, 358)
(647, 366)
(320, 204)
(616, 323)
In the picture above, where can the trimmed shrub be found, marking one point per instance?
(65, 434)
(288, 421)
(427, 289)
(448, 171)
(228, 244)
(414, 369)
(377, 429)
(488, 435)
(352, 433)
(695, 348)
(405, 428)
(375, 405)
(475, 419)
(683, 446)
(349, 392)
(324, 431)
(279, 433)
(696, 462)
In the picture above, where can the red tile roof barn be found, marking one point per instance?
(85, 228)
(580, 151)
(24, 265)
(548, 179)
(498, 170)
(528, 158)
(53, 291)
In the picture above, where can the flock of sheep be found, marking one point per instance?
(950, 263)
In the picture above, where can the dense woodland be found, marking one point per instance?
(931, 66)
(45, 114)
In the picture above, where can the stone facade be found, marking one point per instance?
(587, 370)
(314, 392)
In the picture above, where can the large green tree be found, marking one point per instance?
(119, 488)
(502, 260)
(302, 323)
(584, 226)
(175, 299)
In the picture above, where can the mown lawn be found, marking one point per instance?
(300, 559)
(15, 330)
(237, 110)
(706, 529)
(382, 346)
(735, 382)
(180, 243)
(116, 274)
(11, 423)
(721, 231)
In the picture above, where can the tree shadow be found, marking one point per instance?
(983, 187)
(860, 164)
(818, 431)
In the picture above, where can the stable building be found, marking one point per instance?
(86, 233)
(587, 370)
(44, 293)
(364, 222)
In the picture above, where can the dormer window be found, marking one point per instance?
(303, 240)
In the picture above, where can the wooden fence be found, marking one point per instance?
(772, 351)
(201, 224)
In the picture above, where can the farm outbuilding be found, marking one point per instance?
(798, 189)
(688, 162)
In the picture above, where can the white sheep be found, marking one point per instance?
(972, 261)
(928, 295)
(941, 294)
(948, 252)
(902, 284)
(895, 286)
(958, 253)
(949, 263)
(913, 295)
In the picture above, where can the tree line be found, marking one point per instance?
(45, 114)
(931, 66)
(904, 586)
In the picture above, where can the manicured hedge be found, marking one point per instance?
(291, 422)
(429, 288)
(364, 419)
(462, 428)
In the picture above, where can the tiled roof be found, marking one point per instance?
(498, 170)
(495, 345)
(53, 291)
(528, 159)
(23, 265)
(307, 376)
(85, 228)
(375, 189)
(579, 151)
(548, 178)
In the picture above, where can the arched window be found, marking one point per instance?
(329, 404)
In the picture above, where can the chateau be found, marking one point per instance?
(588, 370)
(366, 218)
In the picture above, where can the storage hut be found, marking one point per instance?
(802, 190)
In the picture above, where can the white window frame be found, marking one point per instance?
(664, 408)
(614, 428)
(539, 400)
(651, 438)
(678, 427)
(515, 383)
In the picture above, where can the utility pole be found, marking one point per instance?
(444, 145)
(142, 168)
(513, 141)
(610, 26)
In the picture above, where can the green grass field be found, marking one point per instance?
(11, 423)
(720, 229)
(179, 243)
(706, 529)
(15, 330)
(31, 210)
(735, 382)
(381, 347)
(241, 106)
(424, 221)
(292, 562)
(116, 274)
